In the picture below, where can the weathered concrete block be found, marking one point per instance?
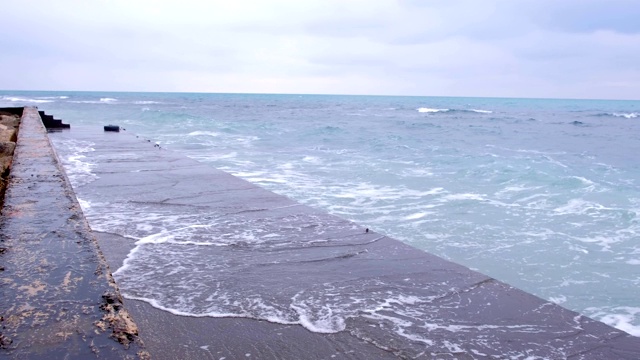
(10, 120)
(8, 133)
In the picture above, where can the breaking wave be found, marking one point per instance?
(435, 110)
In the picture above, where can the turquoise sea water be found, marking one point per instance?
(543, 194)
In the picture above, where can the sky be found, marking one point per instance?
(485, 48)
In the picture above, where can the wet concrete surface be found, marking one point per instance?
(57, 297)
(463, 314)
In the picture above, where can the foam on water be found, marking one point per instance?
(78, 169)
(632, 115)
(430, 110)
(435, 110)
(19, 99)
(145, 102)
(624, 318)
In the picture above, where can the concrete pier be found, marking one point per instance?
(464, 314)
(57, 297)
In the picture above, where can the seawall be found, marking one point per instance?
(54, 269)
(57, 297)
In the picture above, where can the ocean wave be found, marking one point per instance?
(626, 115)
(79, 168)
(146, 102)
(53, 97)
(435, 110)
(23, 99)
(430, 110)
(623, 317)
(205, 133)
(101, 101)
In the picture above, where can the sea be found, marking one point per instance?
(543, 194)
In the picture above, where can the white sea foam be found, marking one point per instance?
(79, 168)
(417, 172)
(204, 133)
(266, 180)
(25, 99)
(579, 206)
(515, 189)
(431, 110)
(632, 115)
(52, 97)
(437, 110)
(624, 318)
(84, 204)
(105, 100)
(462, 197)
(146, 102)
(312, 159)
(591, 186)
(243, 174)
(416, 216)
(560, 299)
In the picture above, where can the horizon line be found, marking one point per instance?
(319, 94)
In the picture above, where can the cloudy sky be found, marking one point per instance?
(503, 48)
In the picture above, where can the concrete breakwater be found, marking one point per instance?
(57, 297)
(250, 272)
(58, 276)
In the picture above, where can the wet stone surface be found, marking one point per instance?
(252, 274)
(54, 278)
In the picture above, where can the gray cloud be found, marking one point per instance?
(587, 16)
(529, 48)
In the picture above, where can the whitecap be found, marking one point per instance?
(431, 110)
(108, 100)
(632, 115)
(84, 204)
(312, 159)
(558, 299)
(482, 111)
(23, 99)
(579, 206)
(203, 133)
(416, 216)
(260, 180)
(53, 97)
(624, 318)
(469, 196)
